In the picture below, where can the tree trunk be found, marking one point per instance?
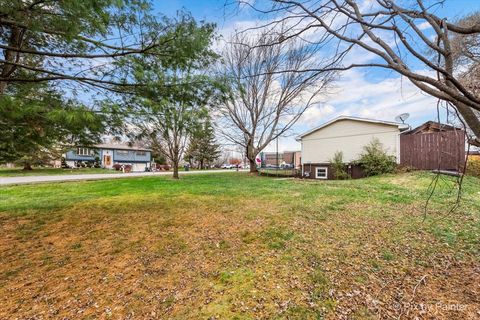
(251, 156)
(175, 170)
(471, 120)
(253, 166)
(27, 166)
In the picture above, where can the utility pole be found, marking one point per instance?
(276, 169)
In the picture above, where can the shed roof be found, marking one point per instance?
(432, 126)
(389, 123)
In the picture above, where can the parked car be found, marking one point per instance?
(227, 166)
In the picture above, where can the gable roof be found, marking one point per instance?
(117, 146)
(389, 123)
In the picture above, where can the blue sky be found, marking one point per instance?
(371, 93)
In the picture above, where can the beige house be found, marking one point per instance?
(349, 135)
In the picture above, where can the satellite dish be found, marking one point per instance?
(402, 117)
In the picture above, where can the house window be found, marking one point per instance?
(122, 152)
(321, 173)
(83, 152)
(141, 153)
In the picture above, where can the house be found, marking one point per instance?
(433, 146)
(284, 158)
(348, 135)
(109, 155)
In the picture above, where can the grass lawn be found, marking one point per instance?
(236, 246)
(19, 172)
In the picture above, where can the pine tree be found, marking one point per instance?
(203, 148)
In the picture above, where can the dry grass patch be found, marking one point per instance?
(238, 247)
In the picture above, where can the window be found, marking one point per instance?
(321, 173)
(83, 152)
(122, 152)
(141, 153)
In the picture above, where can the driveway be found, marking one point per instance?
(101, 176)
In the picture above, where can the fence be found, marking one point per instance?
(434, 150)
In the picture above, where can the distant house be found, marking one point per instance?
(348, 135)
(291, 158)
(109, 155)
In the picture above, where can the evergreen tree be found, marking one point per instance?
(203, 148)
(37, 123)
(168, 108)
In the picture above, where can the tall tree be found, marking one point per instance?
(72, 40)
(172, 102)
(400, 36)
(203, 148)
(267, 94)
(36, 121)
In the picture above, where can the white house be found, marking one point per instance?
(348, 135)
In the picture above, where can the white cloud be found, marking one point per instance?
(316, 113)
(424, 25)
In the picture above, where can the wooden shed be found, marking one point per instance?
(432, 146)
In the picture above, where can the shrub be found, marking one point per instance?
(162, 167)
(117, 166)
(473, 166)
(97, 162)
(339, 168)
(375, 160)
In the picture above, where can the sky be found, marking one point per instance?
(368, 93)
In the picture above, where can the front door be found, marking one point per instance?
(107, 161)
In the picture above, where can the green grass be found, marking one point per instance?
(40, 171)
(237, 246)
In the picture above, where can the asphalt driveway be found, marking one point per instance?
(78, 177)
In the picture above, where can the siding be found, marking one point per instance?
(348, 136)
(130, 157)
(116, 157)
(72, 156)
(355, 171)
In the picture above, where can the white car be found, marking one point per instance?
(227, 166)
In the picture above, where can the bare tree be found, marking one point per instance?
(396, 36)
(466, 54)
(267, 98)
(169, 140)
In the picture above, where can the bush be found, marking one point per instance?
(339, 168)
(162, 167)
(375, 160)
(117, 166)
(89, 164)
(97, 162)
(473, 166)
(64, 163)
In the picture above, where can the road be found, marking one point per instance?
(100, 176)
